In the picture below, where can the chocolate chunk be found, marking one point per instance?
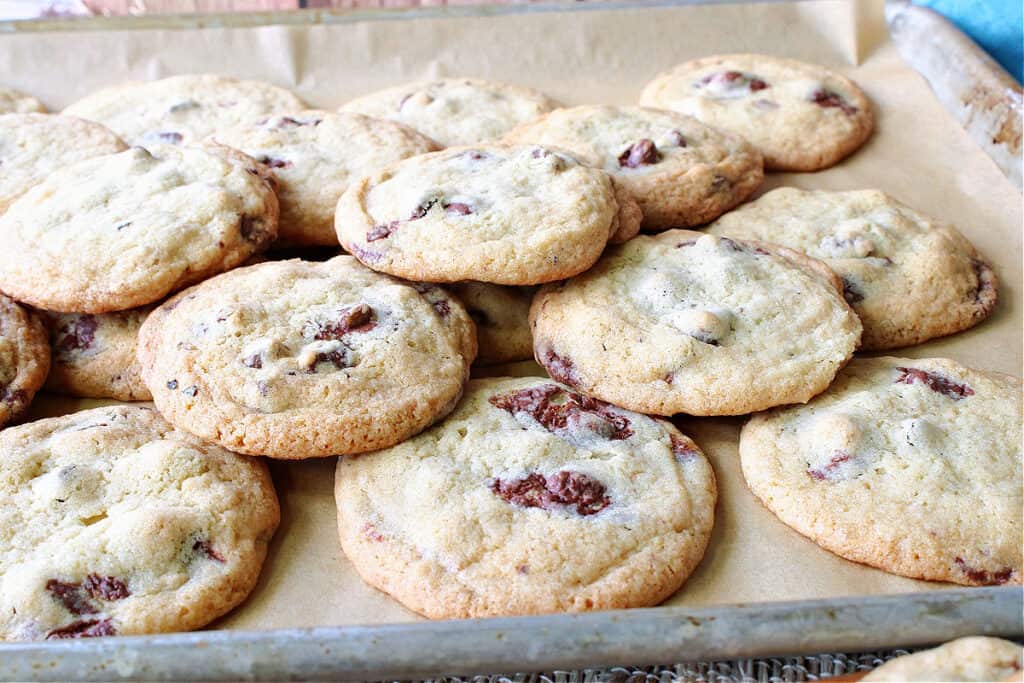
(686, 243)
(568, 413)
(980, 576)
(203, 547)
(371, 533)
(573, 490)
(735, 80)
(682, 449)
(274, 163)
(827, 471)
(457, 209)
(642, 153)
(985, 278)
(559, 367)
(253, 361)
(379, 232)
(851, 292)
(251, 228)
(358, 318)
(935, 382)
(92, 628)
(442, 308)
(757, 84)
(172, 385)
(71, 596)
(338, 358)
(78, 334)
(705, 337)
(829, 99)
(422, 210)
(107, 588)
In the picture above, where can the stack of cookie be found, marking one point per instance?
(148, 229)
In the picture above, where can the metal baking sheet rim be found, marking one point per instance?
(562, 641)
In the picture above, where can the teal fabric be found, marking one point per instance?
(996, 25)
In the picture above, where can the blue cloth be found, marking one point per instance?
(996, 25)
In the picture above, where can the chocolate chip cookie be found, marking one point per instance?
(909, 465)
(14, 102)
(182, 109)
(314, 155)
(802, 117)
(908, 277)
(34, 145)
(502, 321)
(124, 230)
(455, 111)
(681, 172)
(505, 214)
(690, 323)
(94, 355)
(295, 359)
(976, 658)
(113, 522)
(530, 498)
(24, 359)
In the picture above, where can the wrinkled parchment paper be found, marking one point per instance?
(586, 53)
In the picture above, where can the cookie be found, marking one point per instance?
(24, 359)
(681, 172)
(314, 156)
(690, 323)
(94, 355)
(294, 359)
(182, 109)
(14, 102)
(966, 659)
(528, 499)
(502, 321)
(455, 111)
(505, 214)
(124, 230)
(909, 465)
(34, 145)
(802, 117)
(113, 522)
(908, 277)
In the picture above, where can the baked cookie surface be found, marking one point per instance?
(295, 359)
(908, 277)
(113, 522)
(681, 172)
(505, 214)
(34, 145)
(528, 499)
(24, 359)
(455, 111)
(684, 322)
(909, 465)
(802, 117)
(976, 658)
(501, 315)
(93, 356)
(124, 230)
(14, 102)
(314, 155)
(182, 109)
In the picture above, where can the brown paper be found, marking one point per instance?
(586, 53)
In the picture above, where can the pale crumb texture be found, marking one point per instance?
(14, 102)
(975, 658)
(298, 359)
(685, 322)
(182, 109)
(125, 230)
(910, 278)
(455, 111)
(803, 117)
(501, 315)
(505, 214)
(113, 522)
(909, 465)
(24, 359)
(314, 156)
(528, 499)
(94, 354)
(34, 145)
(681, 172)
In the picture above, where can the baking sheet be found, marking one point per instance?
(593, 53)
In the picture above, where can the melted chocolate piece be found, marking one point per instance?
(358, 318)
(642, 153)
(71, 596)
(92, 628)
(573, 490)
(851, 292)
(829, 99)
(935, 382)
(79, 334)
(559, 367)
(981, 576)
(827, 470)
(203, 547)
(569, 413)
(107, 588)
(682, 449)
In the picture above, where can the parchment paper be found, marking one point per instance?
(584, 53)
